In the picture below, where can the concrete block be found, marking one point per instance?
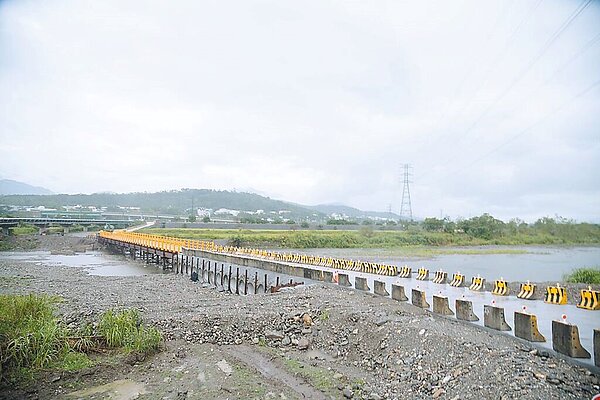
(526, 327)
(464, 310)
(343, 280)
(440, 305)
(418, 298)
(361, 284)
(379, 288)
(493, 317)
(565, 340)
(398, 293)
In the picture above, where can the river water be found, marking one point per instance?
(95, 262)
(536, 264)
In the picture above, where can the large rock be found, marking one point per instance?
(303, 344)
(277, 335)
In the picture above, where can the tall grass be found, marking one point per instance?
(125, 329)
(584, 275)
(30, 336)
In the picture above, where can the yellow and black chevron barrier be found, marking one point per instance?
(556, 295)
(176, 245)
(405, 272)
(477, 284)
(590, 299)
(526, 291)
(440, 277)
(458, 280)
(500, 288)
(423, 274)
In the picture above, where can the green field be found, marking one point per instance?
(364, 238)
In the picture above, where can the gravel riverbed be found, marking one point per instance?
(318, 341)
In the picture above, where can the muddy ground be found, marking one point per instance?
(222, 346)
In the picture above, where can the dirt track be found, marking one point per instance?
(221, 346)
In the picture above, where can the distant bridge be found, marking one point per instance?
(6, 223)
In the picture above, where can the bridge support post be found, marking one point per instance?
(246, 282)
(237, 280)
(229, 280)
(222, 266)
(266, 283)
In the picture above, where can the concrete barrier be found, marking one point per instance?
(423, 274)
(440, 277)
(379, 288)
(440, 305)
(405, 272)
(500, 288)
(493, 317)
(556, 295)
(464, 310)
(361, 284)
(418, 298)
(343, 280)
(597, 347)
(565, 340)
(458, 280)
(398, 293)
(590, 299)
(526, 291)
(526, 327)
(477, 284)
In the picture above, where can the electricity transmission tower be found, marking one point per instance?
(405, 206)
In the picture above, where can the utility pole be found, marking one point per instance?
(405, 205)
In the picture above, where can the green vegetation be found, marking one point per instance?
(124, 329)
(23, 230)
(32, 338)
(317, 377)
(584, 275)
(477, 231)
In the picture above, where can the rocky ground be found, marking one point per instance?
(318, 341)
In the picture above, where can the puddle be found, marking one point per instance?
(123, 389)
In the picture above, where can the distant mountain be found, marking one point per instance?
(350, 211)
(180, 202)
(169, 202)
(8, 186)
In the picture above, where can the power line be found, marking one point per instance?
(469, 73)
(525, 131)
(553, 38)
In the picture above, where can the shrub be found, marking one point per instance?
(584, 275)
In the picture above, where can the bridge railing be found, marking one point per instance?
(176, 245)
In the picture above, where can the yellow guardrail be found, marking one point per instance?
(175, 245)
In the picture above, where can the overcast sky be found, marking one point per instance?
(496, 104)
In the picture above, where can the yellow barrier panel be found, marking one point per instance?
(477, 283)
(556, 295)
(440, 277)
(457, 280)
(590, 299)
(500, 288)
(405, 272)
(423, 274)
